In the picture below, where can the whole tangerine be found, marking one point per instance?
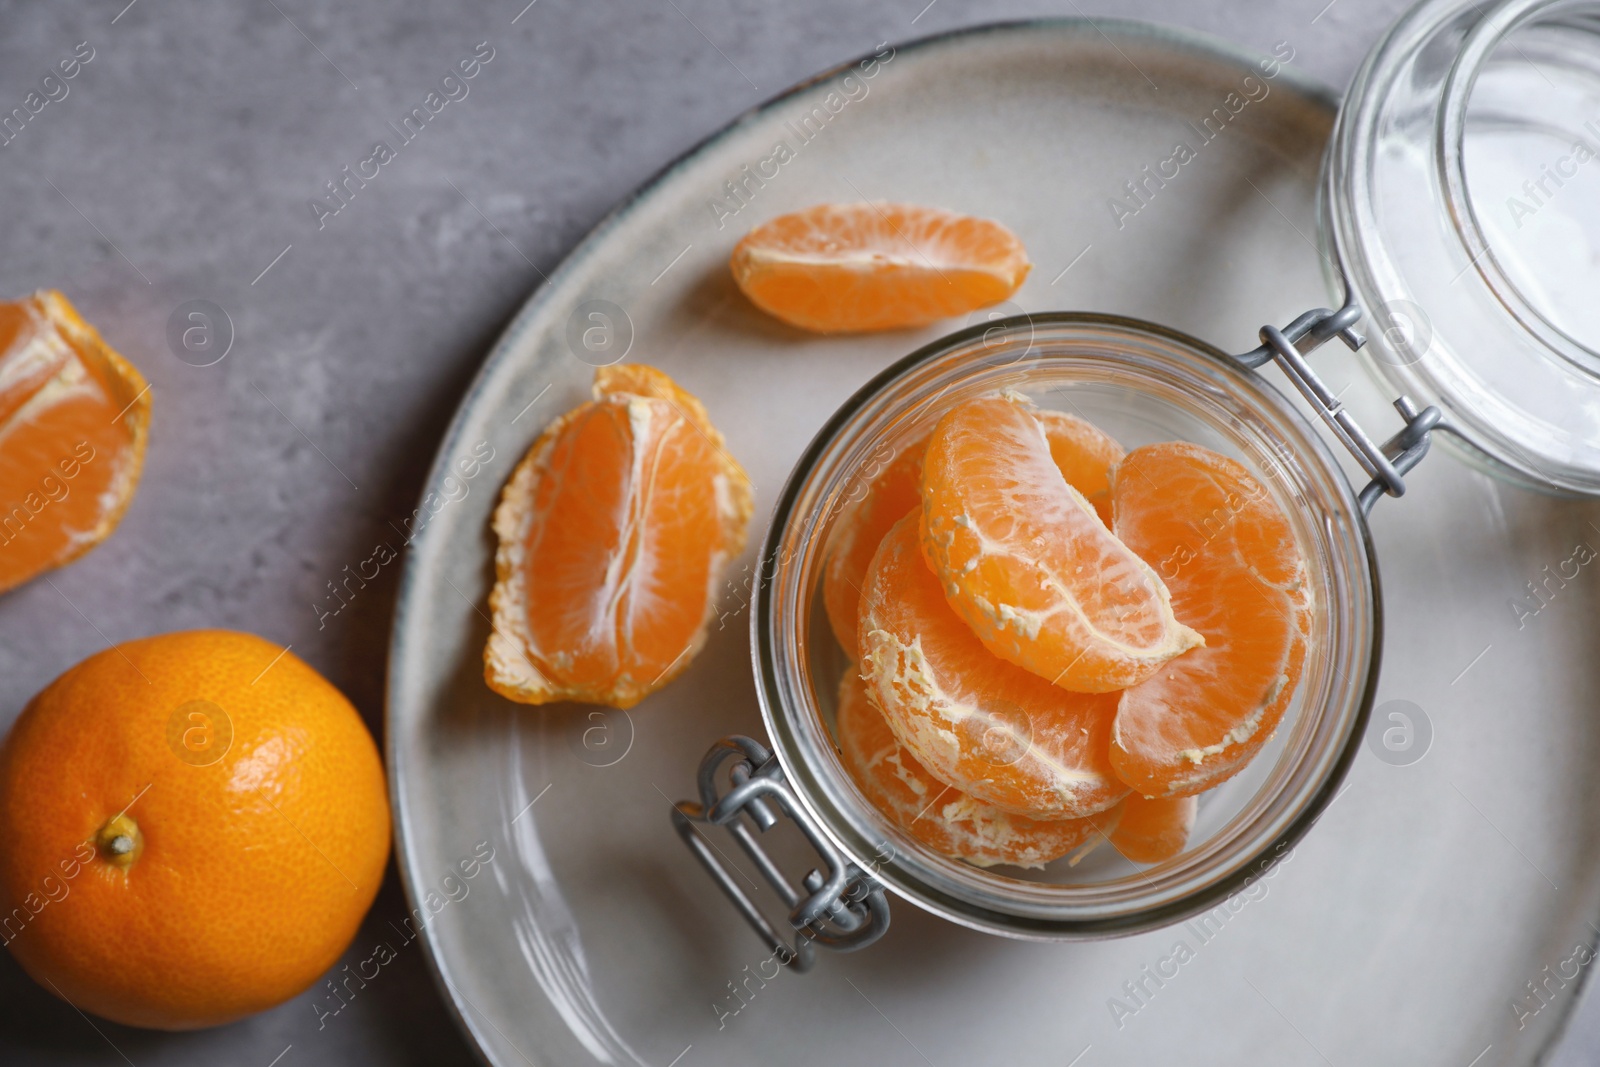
(192, 827)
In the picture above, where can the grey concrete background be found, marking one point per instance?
(179, 167)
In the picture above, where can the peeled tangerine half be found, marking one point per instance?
(1028, 564)
(1083, 453)
(838, 268)
(1229, 557)
(73, 420)
(995, 731)
(1153, 829)
(614, 531)
(941, 816)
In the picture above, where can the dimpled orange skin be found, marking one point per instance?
(252, 873)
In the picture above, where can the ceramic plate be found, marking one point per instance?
(1441, 910)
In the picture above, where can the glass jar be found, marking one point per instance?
(1461, 204)
(1487, 328)
(1142, 383)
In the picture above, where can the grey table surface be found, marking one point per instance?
(179, 167)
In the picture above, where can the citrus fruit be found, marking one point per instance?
(1153, 829)
(73, 420)
(1230, 560)
(885, 492)
(991, 729)
(838, 268)
(614, 532)
(1028, 564)
(194, 826)
(942, 817)
(879, 497)
(1084, 454)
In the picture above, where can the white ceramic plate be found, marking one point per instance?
(1404, 930)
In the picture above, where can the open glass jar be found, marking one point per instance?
(1485, 328)
(1461, 202)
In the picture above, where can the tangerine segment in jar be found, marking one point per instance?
(991, 729)
(1229, 557)
(837, 268)
(614, 532)
(1153, 829)
(74, 416)
(887, 491)
(1027, 563)
(941, 816)
(1083, 453)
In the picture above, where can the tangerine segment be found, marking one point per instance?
(614, 532)
(838, 268)
(993, 730)
(74, 417)
(1082, 452)
(1229, 557)
(1028, 564)
(941, 816)
(887, 492)
(1153, 829)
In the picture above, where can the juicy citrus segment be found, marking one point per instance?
(1153, 829)
(253, 820)
(884, 498)
(991, 729)
(1229, 557)
(1082, 452)
(943, 817)
(614, 532)
(853, 267)
(1028, 564)
(73, 421)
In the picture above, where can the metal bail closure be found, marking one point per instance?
(1385, 465)
(842, 909)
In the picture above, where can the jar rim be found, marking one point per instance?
(1520, 396)
(795, 740)
(1477, 47)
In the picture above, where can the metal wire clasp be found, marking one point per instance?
(843, 909)
(1385, 465)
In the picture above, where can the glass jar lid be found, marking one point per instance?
(1461, 199)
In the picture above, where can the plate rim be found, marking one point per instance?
(1178, 38)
